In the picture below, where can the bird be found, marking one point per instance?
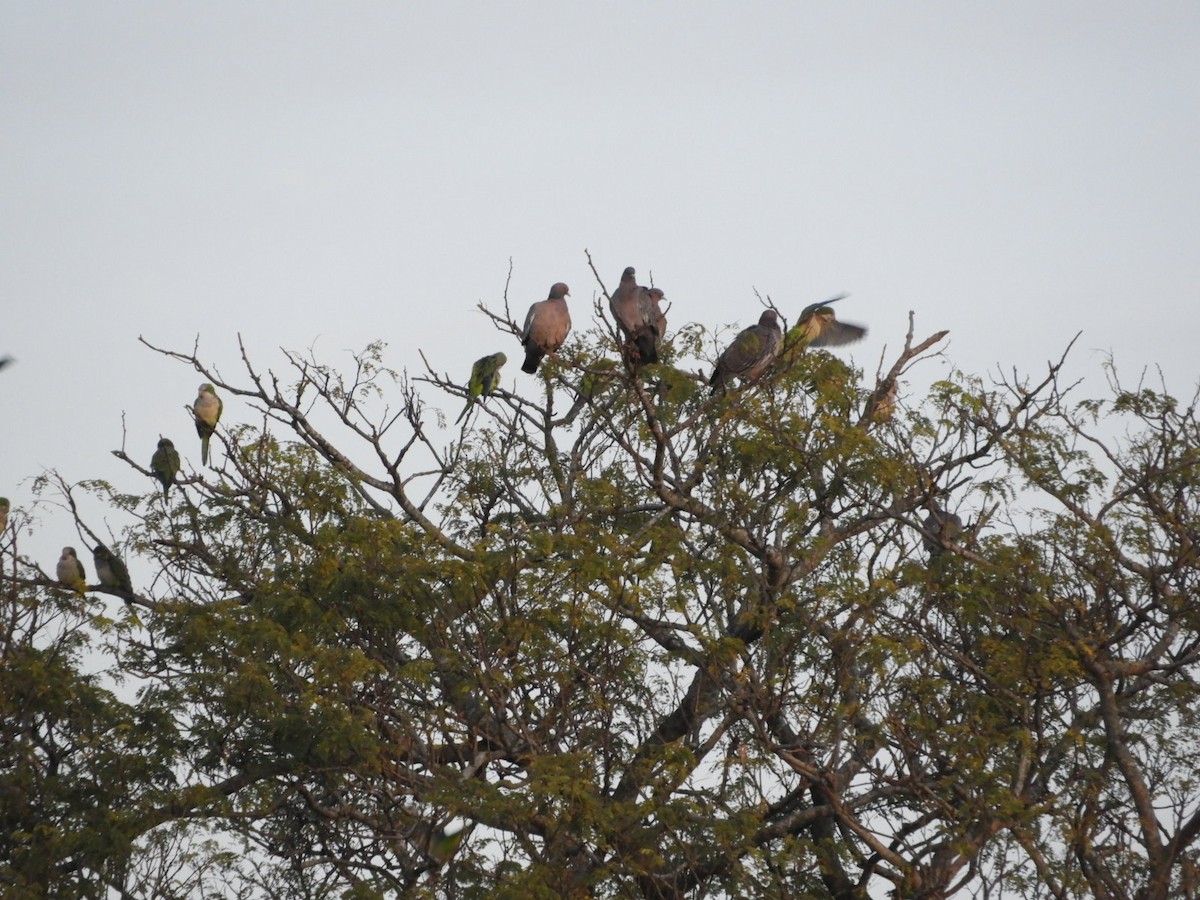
(751, 352)
(881, 405)
(165, 464)
(110, 570)
(6, 361)
(70, 571)
(660, 318)
(546, 327)
(4, 507)
(819, 327)
(485, 375)
(940, 526)
(207, 410)
(634, 312)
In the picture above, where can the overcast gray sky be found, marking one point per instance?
(332, 174)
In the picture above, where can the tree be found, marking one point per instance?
(679, 645)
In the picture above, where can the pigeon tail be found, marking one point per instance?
(647, 346)
(533, 356)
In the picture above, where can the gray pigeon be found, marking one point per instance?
(110, 570)
(634, 313)
(546, 327)
(660, 318)
(70, 571)
(751, 352)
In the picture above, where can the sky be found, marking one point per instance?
(319, 175)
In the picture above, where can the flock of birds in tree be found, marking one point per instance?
(640, 319)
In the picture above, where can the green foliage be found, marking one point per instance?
(626, 639)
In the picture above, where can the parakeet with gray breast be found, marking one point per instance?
(70, 571)
(110, 570)
(165, 465)
(485, 375)
(207, 411)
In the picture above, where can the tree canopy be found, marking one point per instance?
(618, 636)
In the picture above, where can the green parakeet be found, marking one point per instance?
(819, 327)
(751, 352)
(165, 464)
(110, 570)
(4, 507)
(70, 571)
(485, 375)
(207, 410)
(546, 327)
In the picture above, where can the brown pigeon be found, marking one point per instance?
(546, 327)
(940, 527)
(634, 312)
(660, 318)
(751, 352)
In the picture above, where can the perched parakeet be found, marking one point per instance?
(207, 410)
(110, 570)
(165, 464)
(819, 327)
(4, 507)
(70, 571)
(546, 327)
(751, 352)
(485, 375)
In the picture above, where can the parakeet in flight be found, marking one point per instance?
(207, 410)
(485, 375)
(110, 570)
(546, 327)
(751, 352)
(819, 327)
(165, 464)
(70, 571)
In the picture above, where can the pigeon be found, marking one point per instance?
(207, 410)
(751, 352)
(70, 571)
(485, 375)
(634, 312)
(940, 526)
(546, 327)
(110, 570)
(4, 507)
(165, 464)
(819, 327)
(660, 318)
